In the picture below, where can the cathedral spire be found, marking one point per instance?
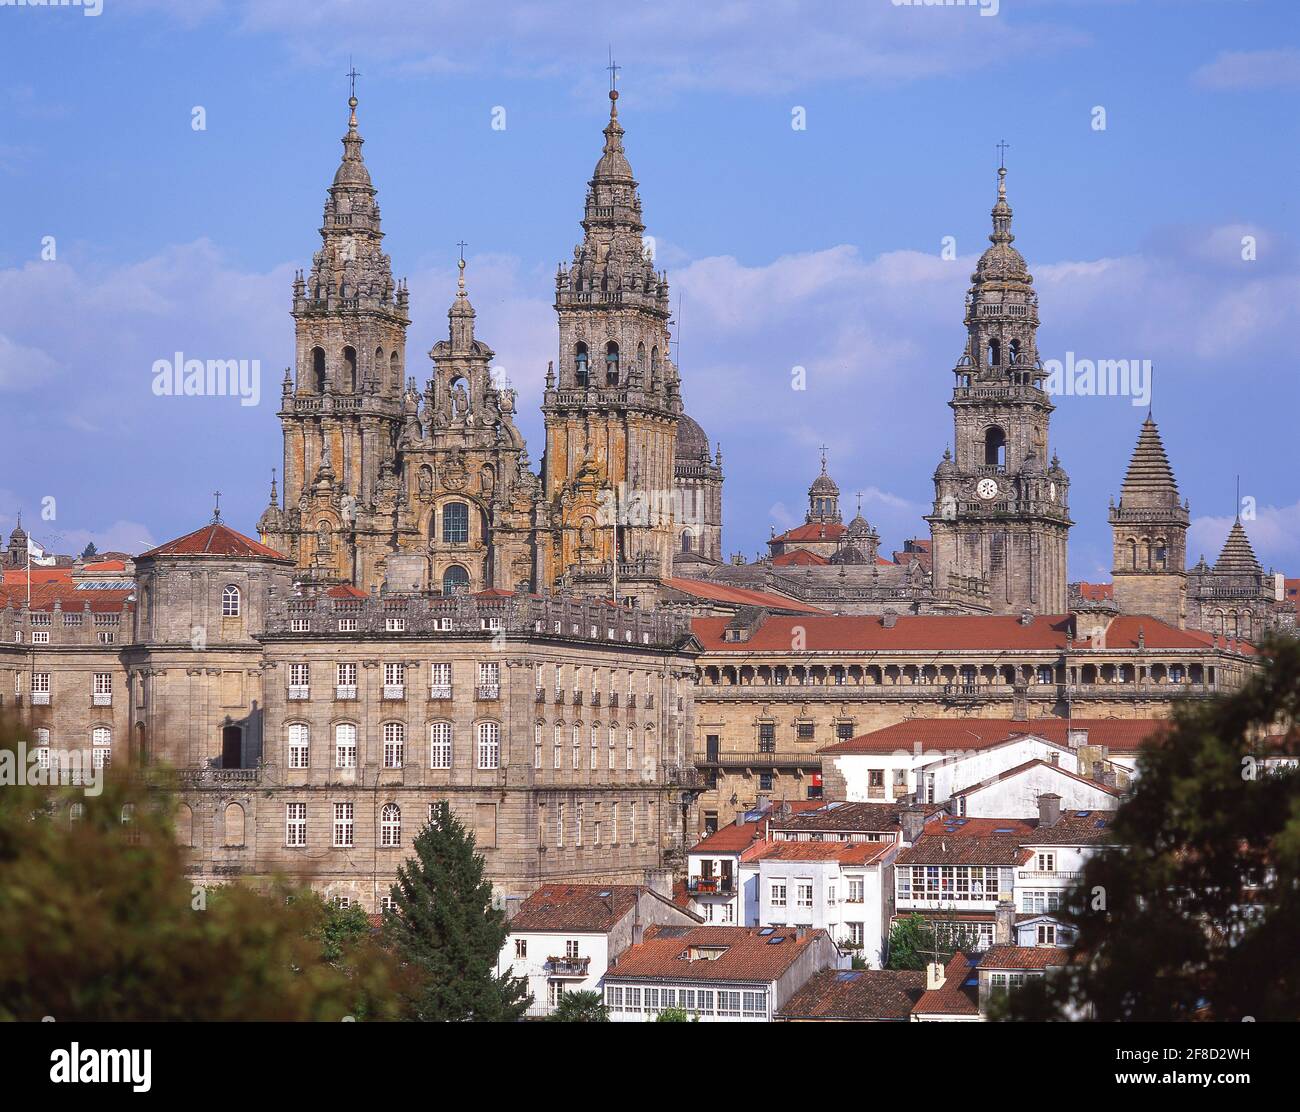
(461, 313)
(1237, 554)
(1150, 480)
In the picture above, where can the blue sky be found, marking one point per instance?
(818, 248)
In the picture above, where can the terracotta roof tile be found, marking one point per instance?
(813, 531)
(214, 539)
(857, 994)
(748, 953)
(575, 907)
(800, 557)
(846, 853)
(1119, 735)
(956, 997)
(740, 596)
(1003, 956)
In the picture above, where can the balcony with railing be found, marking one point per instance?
(440, 691)
(567, 967)
(394, 691)
(711, 885)
(40, 698)
(345, 691)
(299, 692)
(487, 692)
(101, 699)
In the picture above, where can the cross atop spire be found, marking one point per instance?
(216, 509)
(1002, 154)
(352, 94)
(613, 75)
(822, 449)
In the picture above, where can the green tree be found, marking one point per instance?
(676, 1015)
(1197, 913)
(90, 551)
(913, 943)
(98, 920)
(444, 928)
(581, 1007)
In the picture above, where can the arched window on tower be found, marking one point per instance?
(230, 601)
(1133, 554)
(349, 383)
(455, 579)
(640, 358)
(1161, 555)
(1014, 352)
(995, 353)
(611, 364)
(581, 375)
(654, 361)
(686, 541)
(318, 370)
(995, 447)
(395, 372)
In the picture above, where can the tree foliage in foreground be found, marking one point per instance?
(98, 921)
(1198, 915)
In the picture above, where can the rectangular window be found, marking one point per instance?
(765, 781)
(103, 689)
(778, 893)
(755, 1005)
(804, 893)
(394, 625)
(394, 681)
(394, 744)
(767, 737)
(345, 686)
(843, 730)
(439, 681)
(345, 745)
(347, 625)
(299, 681)
(855, 895)
(489, 745)
(40, 689)
(343, 825)
(295, 824)
(805, 731)
(521, 947)
(489, 679)
(855, 933)
(729, 1003)
(1047, 862)
(559, 747)
(577, 746)
(595, 747)
(559, 825)
(537, 745)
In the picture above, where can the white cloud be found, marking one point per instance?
(1251, 69)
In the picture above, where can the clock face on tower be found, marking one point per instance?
(987, 489)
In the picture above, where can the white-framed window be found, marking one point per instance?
(1047, 934)
(40, 637)
(299, 681)
(777, 891)
(387, 903)
(102, 691)
(755, 1004)
(559, 745)
(856, 890)
(347, 625)
(595, 746)
(577, 745)
(345, 745)
(295, 825)
(343, 902)
(394, 625)
(559, 825)
(1047, 862)
(440, 680)
(346, 680)
(230, 601)
(299, 745)
(489, 745)
(489, 679)
(343, 825)
(40, 688)
(521, 947)
(855, 933)
(394, 681)
(390, 825)
(613, 749)
(394, 744)
(631, 748)
(577, 824)
(440, 745)
(803, 893)
(300, 625)
(537, 745)
(631, 823)
(613, 823)
(101, 747)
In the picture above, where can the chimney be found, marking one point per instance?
(512, 906)
(934, 976)
(912, 820)
(1077, 738)
(1049, 809)
(1004, 923)
(890, 619)
(1026, 617)
(660, 881)
(801, 933)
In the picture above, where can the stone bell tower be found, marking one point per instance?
(341, 410)
(612, 403)
(1000, 508)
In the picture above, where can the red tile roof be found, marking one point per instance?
(748, 953)
(1097, 592)
(846, 853)
(215, 539)
(105, 565)
(738, 836)
(740, 596)
(857, 994)
(1119, 735)
(931, 633)
(47, 590)
(1004, 956)
(814, 531)
(956, 997)
(575, 907)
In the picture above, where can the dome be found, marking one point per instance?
(859, 526)
(692, 443)
(823, 484)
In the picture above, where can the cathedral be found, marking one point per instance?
(388, 488)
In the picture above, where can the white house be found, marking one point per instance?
(564, 936)
(1016, 792)
(842, 888)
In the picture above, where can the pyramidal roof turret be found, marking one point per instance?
(1150, 481)
(1237, 554)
